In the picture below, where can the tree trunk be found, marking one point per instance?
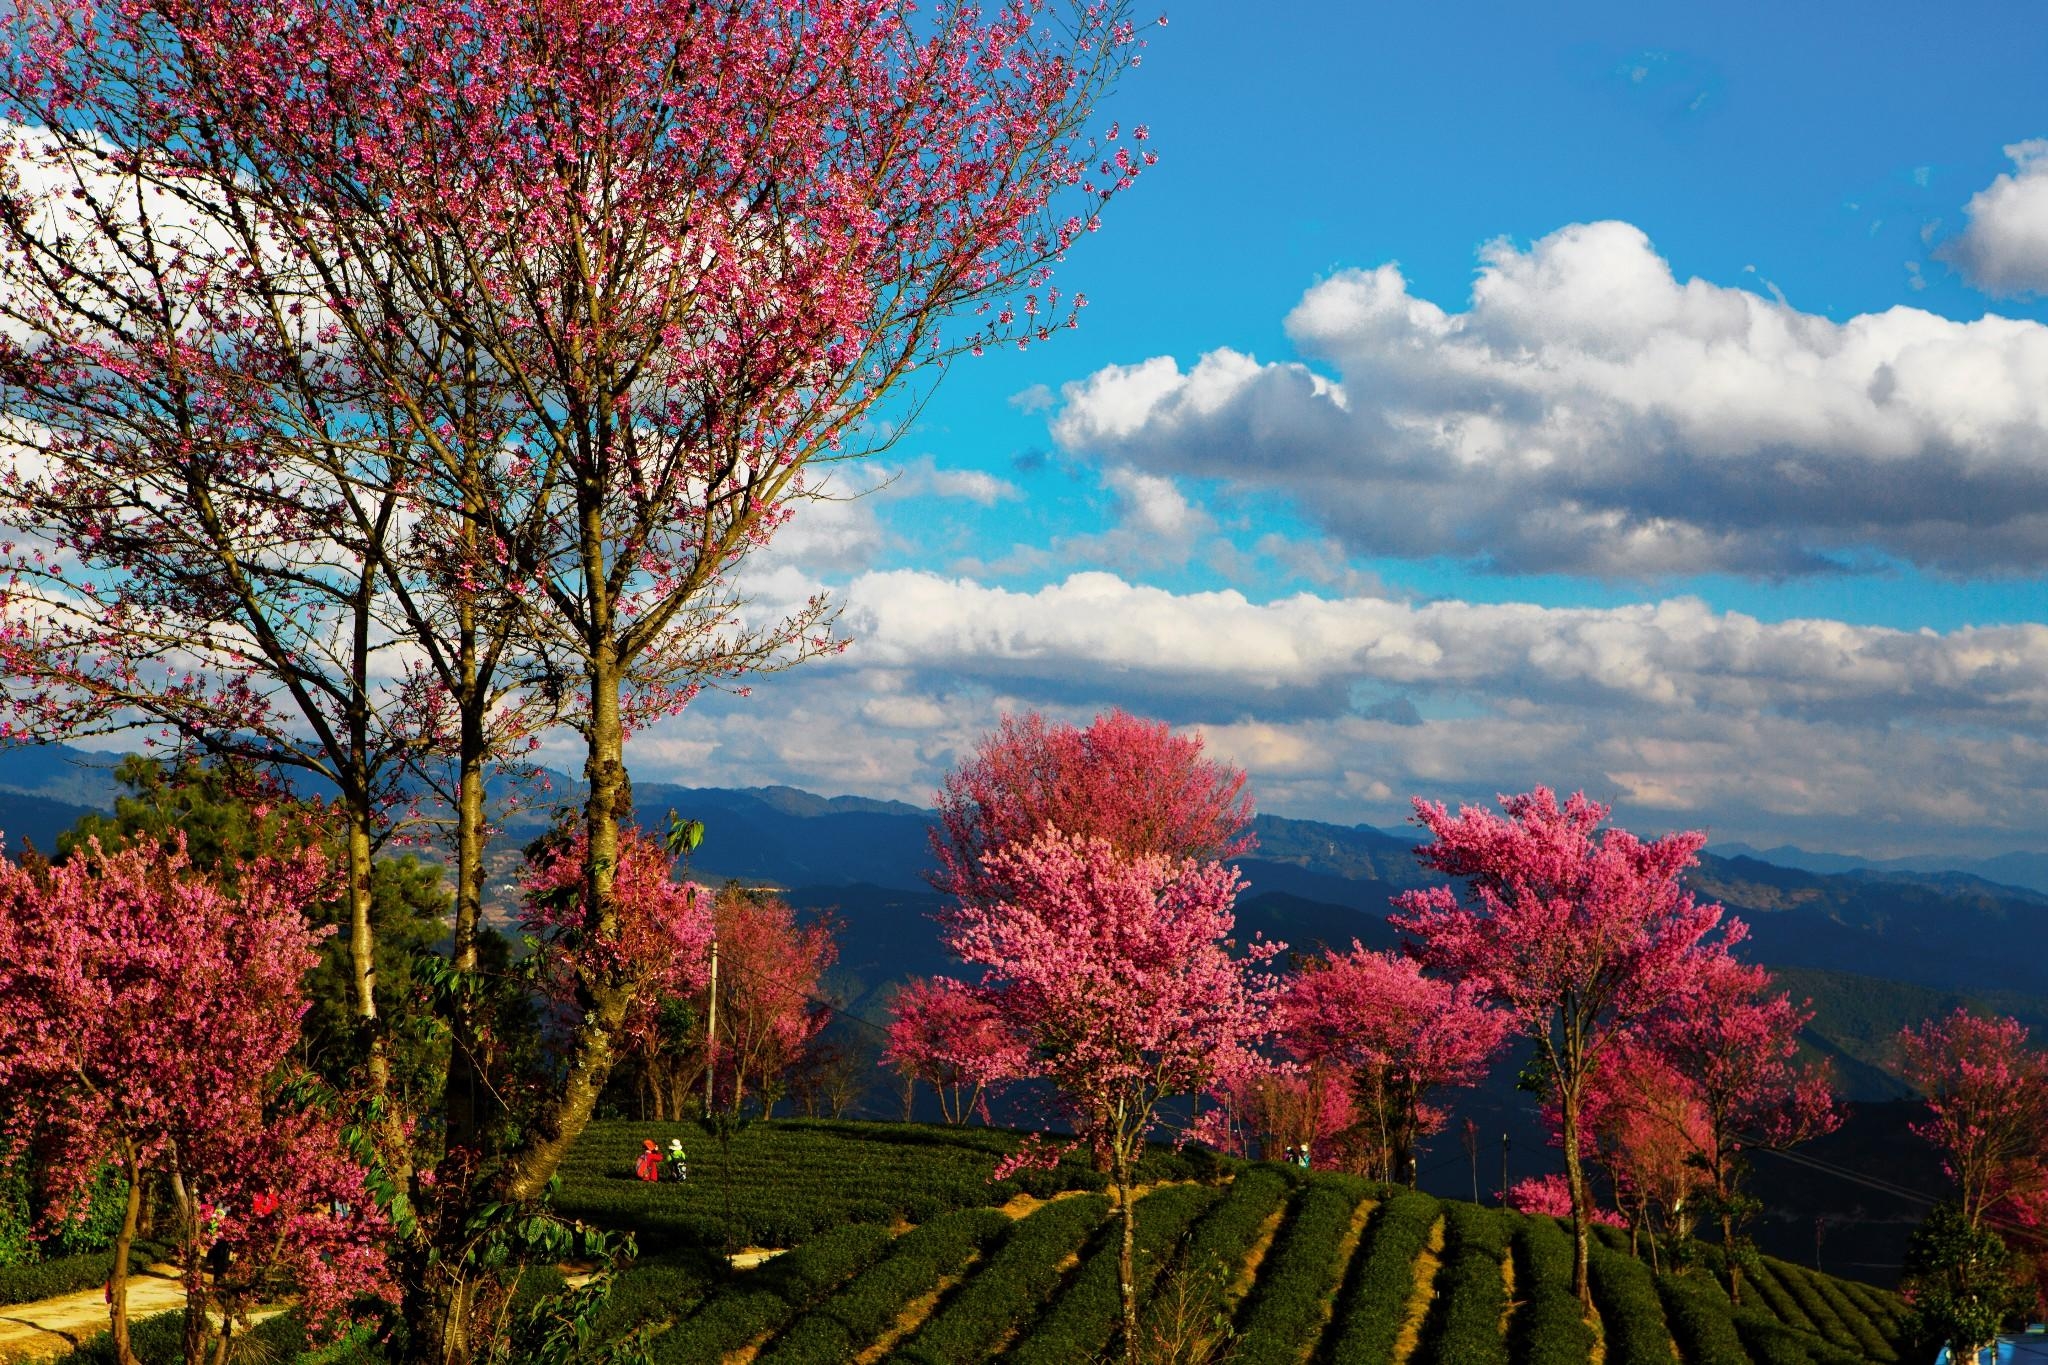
(117, 1284)
(1575, 1180)
(362, 949)
(1127, 1255)
(1728, 1250)
(459, 1094)
(604, 1000)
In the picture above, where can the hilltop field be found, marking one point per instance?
(896, 1249)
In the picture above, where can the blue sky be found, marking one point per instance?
(1676, 507)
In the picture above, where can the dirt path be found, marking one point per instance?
(1248, 1273)
(1426, 1267)
(47, 1328)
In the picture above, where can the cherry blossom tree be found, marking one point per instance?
(770, 974)
(1129, 781)
(151, 1014)
(1116, 972)
(1645, 1123)
(665, 926)
(580, 297)
(1265, 1109)
(954, 1040)
(1735, 1042)
(1397, 1035)
(1987, 1109)
(1578, 935)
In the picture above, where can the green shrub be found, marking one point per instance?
(837, 1330)
(656, 1291)
(1381, 1279)
(1224, 1237)
(1886, 1311)
(1827, 1323)
(763, 1300)
(159, 1339)
(1630, 1315)
(64, 1275)
(1549, 1328)
(1702, 1320)
(1464, 1324)
(1763, 1280)
(1769, 1341)
(793, 1178)
(1080, 1323)
(1007, 1288)
(1862, 1332)
(1283, 1314)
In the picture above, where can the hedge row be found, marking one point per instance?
(1776, 1298)
(1702, 1319)
(1007, 1289)
(1771, 1342)
(1827, 1323)
(656, 1290)
(1079, 1324)
(768, 1298)
(857, 1316)
(159, 1339)
(1284, 1311)
(1629, 1311)
(1549, 1328)
(1884, 1309)
(1464, 1322)
(791, 1179)
(1865, 1333)
(63, 1275)
(1381, 1279)
(1224, 1237)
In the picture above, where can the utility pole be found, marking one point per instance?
(1503, 1169)
(711, 1034)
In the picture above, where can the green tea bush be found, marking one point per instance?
(838, 1329)
(62, 1275)
(1868, 1339)
(1224, 1237)
(764, 1300)
(1381, 1279)
(1629, 1311)
(1827, 1323)
(791, 1178)
(656, 1291)
(1465, 1322)
(159, 1339)
(1702, 1320)
(1008, 1287)
(1771, 1342)
(1080, 1323)
(1283, 1314)
(1761, 1282)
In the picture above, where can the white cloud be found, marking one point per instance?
(1307, 652)
(1591, 414)
(1810, 730)
(1814, 730)
(2004, 247)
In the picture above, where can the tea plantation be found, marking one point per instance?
(901, 1253)
(894, 1248)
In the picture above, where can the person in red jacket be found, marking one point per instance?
(649, 1167)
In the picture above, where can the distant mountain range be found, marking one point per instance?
(2029, 870)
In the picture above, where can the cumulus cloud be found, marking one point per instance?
(2003, 249)
(1341, 707)
(1589, 413)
